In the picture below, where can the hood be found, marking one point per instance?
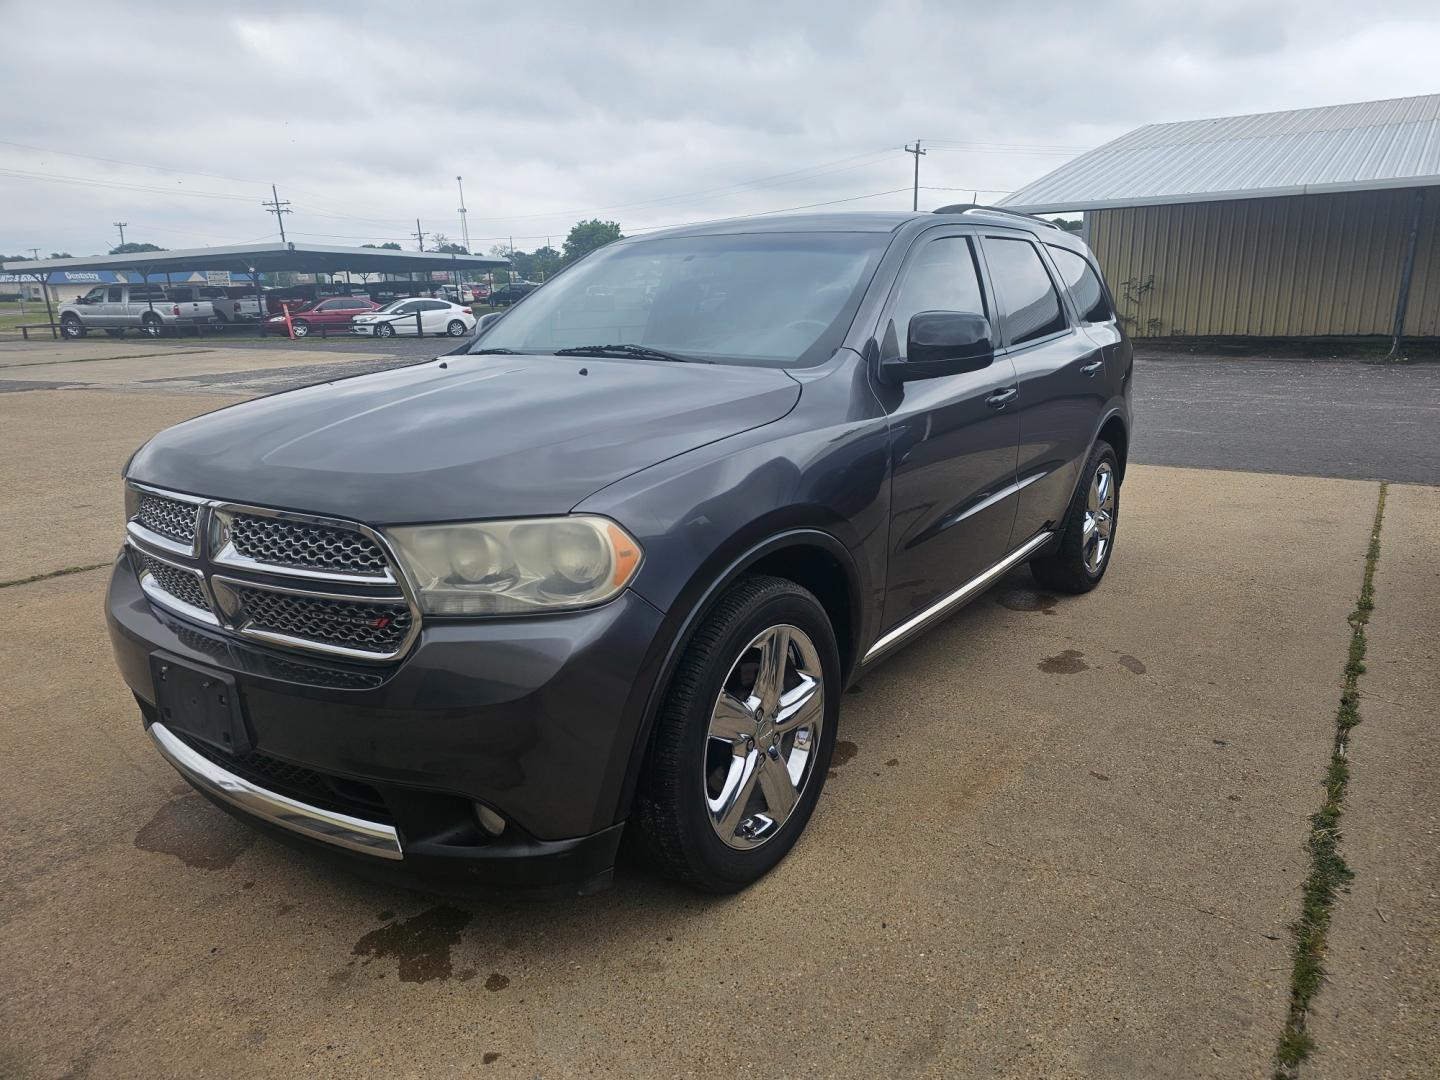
(469, 437)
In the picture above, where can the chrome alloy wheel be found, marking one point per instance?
(764, 734)
(1099, 522)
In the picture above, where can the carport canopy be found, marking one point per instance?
(268, 258)
(262, 259)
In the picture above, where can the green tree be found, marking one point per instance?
(389, 245)
(61, 255)
(588, 236)
(133, 249)
(1070, 225)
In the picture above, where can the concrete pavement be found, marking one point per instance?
(1063, 837)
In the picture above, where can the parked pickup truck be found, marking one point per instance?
(147, 308)
(232, 305)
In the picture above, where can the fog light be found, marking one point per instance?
(490, 821)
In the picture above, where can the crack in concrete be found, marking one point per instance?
(1328, 871)
(47, 575)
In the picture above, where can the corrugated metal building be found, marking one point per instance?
(1310, 223)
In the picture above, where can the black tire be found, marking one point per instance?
(671, 819)
(118, 331)
(1066, 569)
(456, 328)
(150, 324)
(72, 328)
(385, 330)
(300, 328)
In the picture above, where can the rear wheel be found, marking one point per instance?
(71, 327)
(456, 328)
(150, 324)
(743, 740)
(1087, 536)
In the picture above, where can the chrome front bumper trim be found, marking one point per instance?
(341, 830)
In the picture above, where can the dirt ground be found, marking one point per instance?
(1064, 837)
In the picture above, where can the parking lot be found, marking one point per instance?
(1063, 837)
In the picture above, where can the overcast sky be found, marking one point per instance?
(644, 113)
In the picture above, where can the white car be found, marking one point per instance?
(399, 317)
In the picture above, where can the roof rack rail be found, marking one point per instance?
(965, 208)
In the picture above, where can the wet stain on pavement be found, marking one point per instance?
(893, 762)
(1026, 600)
(490, 1057)
(1068, 662)
(1098, 775)
(844, 752)
(496, 982)
(195, 833)
(420, 944)
(1130, 663)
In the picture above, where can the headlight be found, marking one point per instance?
(511, 567)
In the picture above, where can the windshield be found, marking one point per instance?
(775, 299)
(394, 305)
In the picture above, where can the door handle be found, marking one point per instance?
(1092, 368)
(1000, 398)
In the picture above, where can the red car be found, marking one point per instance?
(334, 313)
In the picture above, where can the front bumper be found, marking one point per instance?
(534, 719)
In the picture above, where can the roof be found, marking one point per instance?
(112, 277)
(871, 221)
(266, 258)
(1365, 146)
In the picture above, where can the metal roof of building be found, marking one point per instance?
(266, 258)
(1364, 146)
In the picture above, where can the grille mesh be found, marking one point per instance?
(306, 546)
(378, 626)
(168, 517)
(181, 584)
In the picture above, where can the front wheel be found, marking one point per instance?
(743, 740)
(385, 330)
(300, 328)
(456, 328)
(1087, 536)
(72, 328)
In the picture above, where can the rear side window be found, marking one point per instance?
(114, 294)
(943, 277)
(1084, 285)
(1032, 306)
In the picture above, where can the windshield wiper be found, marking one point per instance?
(495, 352)
(640, 352)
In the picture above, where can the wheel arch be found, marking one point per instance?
(1115, 431)
(814, 559)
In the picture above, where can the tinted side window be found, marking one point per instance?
(1084, 285)
(943, 277)
(94, 296)
(1032, 307)
(115, 294)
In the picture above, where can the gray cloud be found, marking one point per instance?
(364, 113)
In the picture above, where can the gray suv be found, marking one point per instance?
(608, 568)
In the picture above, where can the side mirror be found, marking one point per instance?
(485, 321)
(941, 343)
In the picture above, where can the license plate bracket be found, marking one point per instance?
(200, 702)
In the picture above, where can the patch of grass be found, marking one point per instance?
(1328, 871)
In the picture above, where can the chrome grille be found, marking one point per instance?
(291, 581)
(379, 627)
(170, 518)
(183, 585)
(305, 546)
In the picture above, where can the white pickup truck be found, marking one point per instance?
(117, 308)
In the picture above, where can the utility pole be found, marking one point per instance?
(35, 253)
(419, 236)
(276, 207)
(121, 226)
(915, 202)
(464, 225)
